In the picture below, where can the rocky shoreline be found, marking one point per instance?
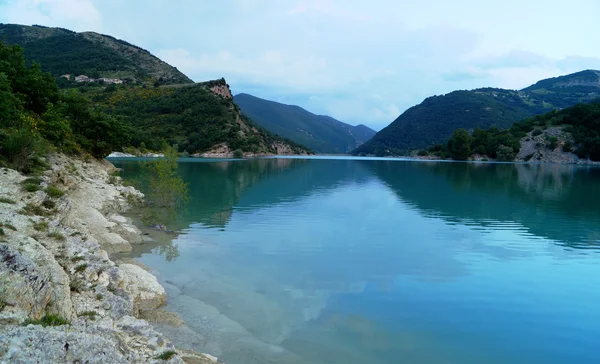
(62, 299)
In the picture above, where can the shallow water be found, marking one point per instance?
(384, 261)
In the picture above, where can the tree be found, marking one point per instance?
(505, 154)
(460, 145)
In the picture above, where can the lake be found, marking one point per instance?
(341, 260)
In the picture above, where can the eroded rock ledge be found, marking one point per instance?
(54, 264)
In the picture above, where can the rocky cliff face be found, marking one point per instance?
(552, 145)
(57, 278)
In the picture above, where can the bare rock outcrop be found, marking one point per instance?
(57, 278)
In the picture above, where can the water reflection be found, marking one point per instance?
(553, 201)
(300, 260)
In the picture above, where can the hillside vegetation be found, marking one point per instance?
(435, 119)
(321, 133)
(196, 118)
(157, 106)
(580, 124)
(35, 117)
(61, 51)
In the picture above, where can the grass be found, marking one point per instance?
(49, 204)
(2, 233)
(8, 226)
(41, 226)
(54, 191)
(32, 180)
(56, 235)
(7, 200)
(32, 184)
(75, 234)
(99, 296)
(77, 259)
(77, 285)
(30, 187)
(3, 304)
(48, 320)
(90, 314)
(166, 355)
(35, 210)
(80, 268)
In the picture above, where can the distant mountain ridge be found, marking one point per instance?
(434, 120)
(62, 51)
(321, 133)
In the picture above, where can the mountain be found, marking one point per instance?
(434, 120)
(198, 118)
(61, 51)
(156, 103)
(321, 133)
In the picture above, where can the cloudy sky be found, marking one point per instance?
(358, 61)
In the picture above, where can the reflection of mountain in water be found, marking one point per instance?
(215, 188)
(550, 200)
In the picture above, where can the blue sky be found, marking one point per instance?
(358, 61)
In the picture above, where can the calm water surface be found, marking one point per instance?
(384, 261)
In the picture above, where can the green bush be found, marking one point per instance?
(536, 132)
(567, 147)
(505, 154)
(460, 145)
(166, 355)
(48, 320)
(80, 268)
(7, 200)
(30, 187)
(552, 142)
(54, 191)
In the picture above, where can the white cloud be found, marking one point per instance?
(79, 15)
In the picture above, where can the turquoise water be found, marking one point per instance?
(384, 261)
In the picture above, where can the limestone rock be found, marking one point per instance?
(32, 281)
(145, 291)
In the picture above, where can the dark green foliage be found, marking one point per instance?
(62, 51)
(192, 117)
(56, 235)
(54, 191)
(582, 121)
(552, 142)
(41, 226)
(166, 192)
(80, 268)
(434, 120)
(34, 210)
(49, 204)
(91, 314)
(460, 145)
(7, 200)
(320, 133)
(30, 187)
(166, 355)
(48, 320)
(35, 115)
(505, 154)
(8, 226)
